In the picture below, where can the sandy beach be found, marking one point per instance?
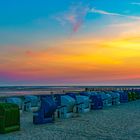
(113, 123)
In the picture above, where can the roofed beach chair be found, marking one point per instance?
(82, 102)
(9, 117)
(107, 99)
(45, 114)
(96, 100)
(115, 98)
(31, 103)
(65, 106)
(123, 96)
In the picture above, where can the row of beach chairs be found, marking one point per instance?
(46, 108)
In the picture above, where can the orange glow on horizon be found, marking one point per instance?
(88, 59)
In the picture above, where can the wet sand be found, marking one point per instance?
(120, 122)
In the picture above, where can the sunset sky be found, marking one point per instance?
(70, 42)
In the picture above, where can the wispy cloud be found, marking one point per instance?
(136, 3)
(94, 10)
(74, 16)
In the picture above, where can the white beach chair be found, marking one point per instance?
(84, 103)
(31, 103)
(65, 110)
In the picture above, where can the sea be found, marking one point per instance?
(31, 90)
(35, 90)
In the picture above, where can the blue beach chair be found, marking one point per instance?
(96, 100)
(123, 96)
(107, 99)
(115, 98)
(46, 112)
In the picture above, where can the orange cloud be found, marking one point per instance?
(75, 61)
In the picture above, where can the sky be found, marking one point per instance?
(70, 42)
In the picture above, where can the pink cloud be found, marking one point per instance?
(71, 18)
(74, 16)
(77, 26)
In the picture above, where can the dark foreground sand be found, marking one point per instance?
(114, 123)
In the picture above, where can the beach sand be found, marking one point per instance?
(120, 122)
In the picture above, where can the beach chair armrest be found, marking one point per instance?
(79, 103)
(59, 107)
(27, 102)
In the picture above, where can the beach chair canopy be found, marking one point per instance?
(15, 100)
(68, 101)
(33, 99)
(83, 99)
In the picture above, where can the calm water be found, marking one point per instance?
(22, 90)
